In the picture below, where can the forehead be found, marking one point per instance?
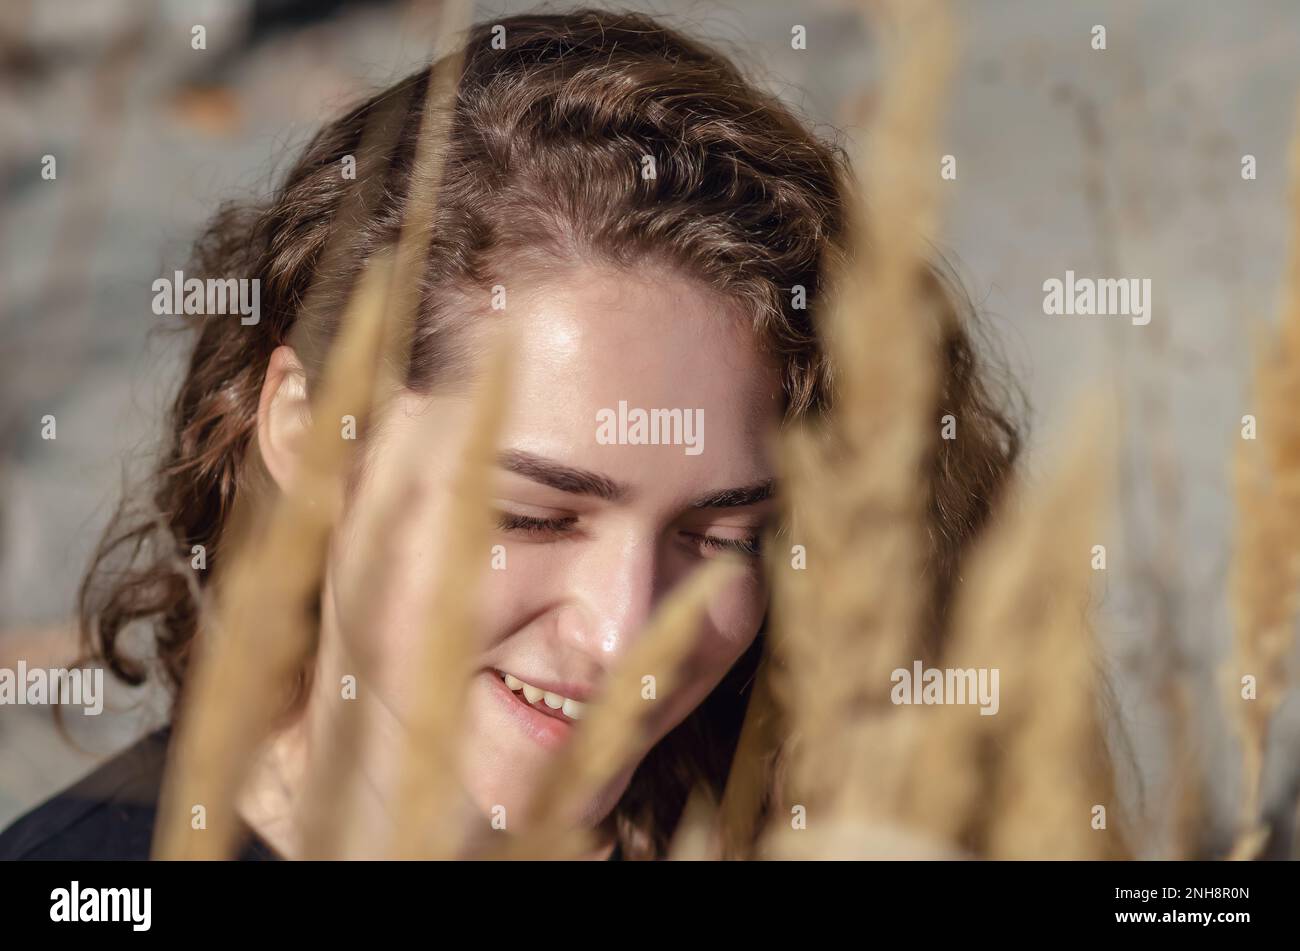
(599, 336)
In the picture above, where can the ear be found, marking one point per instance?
(283, 416)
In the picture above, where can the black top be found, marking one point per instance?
(110, 814)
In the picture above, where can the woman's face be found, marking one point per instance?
(597, 524)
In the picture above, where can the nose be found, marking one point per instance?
(613, 590)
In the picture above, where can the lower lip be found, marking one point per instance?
(548, 732)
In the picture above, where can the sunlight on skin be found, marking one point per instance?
(596, 535)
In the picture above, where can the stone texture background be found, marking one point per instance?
(1122, 163)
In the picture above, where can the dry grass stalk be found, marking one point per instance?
(1265, 577)
(696, 836)
(844, 837)
(214, 752)
(859, 501)
(855, 489)
(1022, 783)
(430, 803)
(263, 631)
(1262, 623)
(1184, 784)
(326, 821)
(423, 184)
(752, 779)
(612, 732)
(389, 521)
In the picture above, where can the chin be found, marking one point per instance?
(509, 751)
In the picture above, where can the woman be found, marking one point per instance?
(648, 214)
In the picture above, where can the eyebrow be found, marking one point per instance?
(737, 498)
(561, 477)
(585, 482)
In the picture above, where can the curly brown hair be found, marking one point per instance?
(543, 158)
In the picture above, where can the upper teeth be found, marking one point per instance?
(573, 709)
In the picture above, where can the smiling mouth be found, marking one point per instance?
(564, 709)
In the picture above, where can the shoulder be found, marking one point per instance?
(107, 815)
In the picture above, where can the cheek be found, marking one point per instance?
(732, 620)
(381, 595)
(513, 590)
(385, 553)
(728, 629)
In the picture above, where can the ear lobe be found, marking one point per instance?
(283, 416)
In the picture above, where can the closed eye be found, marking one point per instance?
(542, 529)
(750, 546)
(532, 527)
